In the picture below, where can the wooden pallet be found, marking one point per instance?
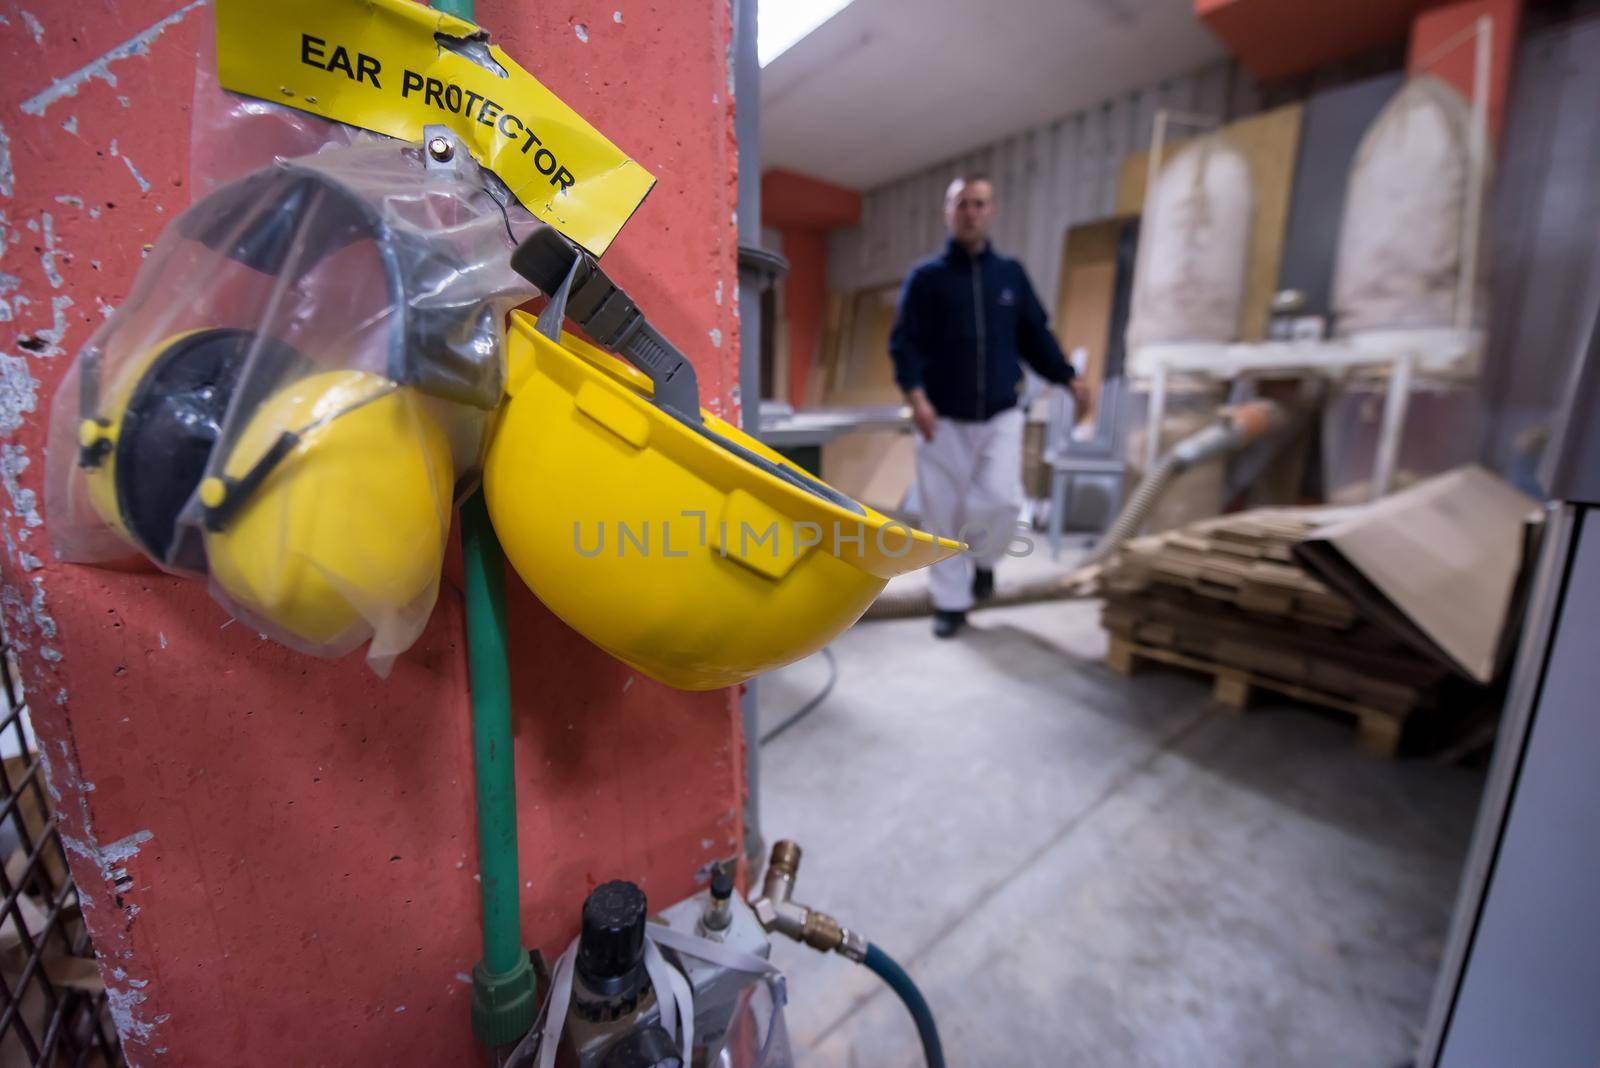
(1361, 665)
(1377, 731)
(1246, 560)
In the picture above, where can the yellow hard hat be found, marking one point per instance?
(663, 546)
(348, 524)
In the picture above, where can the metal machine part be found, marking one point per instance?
(777, 911)
(718, 990)
(718, 912)
(611, 991)
(614, 1018)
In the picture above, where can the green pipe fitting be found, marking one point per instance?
(461, 9)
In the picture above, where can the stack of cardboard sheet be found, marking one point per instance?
(1368, 610)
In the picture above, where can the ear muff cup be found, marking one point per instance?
(159, 442)
(348, 527)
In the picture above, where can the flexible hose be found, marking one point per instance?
(1234, 428)
(891, 973)
(810, 706)
(1137, 510)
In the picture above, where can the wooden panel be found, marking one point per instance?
(873, 466)
(1270, 143)
(861, 372)
(1088, 287)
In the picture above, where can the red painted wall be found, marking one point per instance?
(805, 209)
(1281, 38)
(1438, 47)
(805, 298)
(276, 853)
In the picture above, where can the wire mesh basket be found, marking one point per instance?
(54, 1009)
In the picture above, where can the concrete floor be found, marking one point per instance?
(1080, 869)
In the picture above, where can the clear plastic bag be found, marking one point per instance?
(231, 135)
(759, 1035)
(293, 392)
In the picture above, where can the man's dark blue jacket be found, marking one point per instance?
(963, 322)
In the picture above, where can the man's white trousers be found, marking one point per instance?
(969, 486)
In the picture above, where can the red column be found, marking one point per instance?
(805, 296)
(805, 209)
(276, 853)
(1274, 39)
(1442, 45)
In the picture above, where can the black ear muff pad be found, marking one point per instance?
(172, 422)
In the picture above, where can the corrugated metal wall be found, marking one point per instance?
(1046, 179)
(1544, 229)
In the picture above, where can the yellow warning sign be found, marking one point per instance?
(395, 66)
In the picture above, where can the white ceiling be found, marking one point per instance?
(888, 87)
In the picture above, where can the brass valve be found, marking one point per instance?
(778, 912)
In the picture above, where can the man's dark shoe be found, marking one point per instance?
(983, 584)
(946, 624)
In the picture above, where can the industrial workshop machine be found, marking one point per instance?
(693, 985)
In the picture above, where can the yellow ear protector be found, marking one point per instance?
(330, 506)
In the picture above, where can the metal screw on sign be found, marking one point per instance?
(441, 149)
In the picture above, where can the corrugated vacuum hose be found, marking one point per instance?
(1234, 428)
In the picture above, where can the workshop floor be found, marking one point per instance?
(1081, 869)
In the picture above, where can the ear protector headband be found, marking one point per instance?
(329, 502)
(298, 216)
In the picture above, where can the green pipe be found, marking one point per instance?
(503, 985)
(492, 753)
(461, 9)
(491, 735)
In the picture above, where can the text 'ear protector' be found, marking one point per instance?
(316, 498)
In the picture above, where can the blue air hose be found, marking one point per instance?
(886, 969)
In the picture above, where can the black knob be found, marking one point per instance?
(721, 883)
(611, 943)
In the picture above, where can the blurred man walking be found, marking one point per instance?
(966, 317)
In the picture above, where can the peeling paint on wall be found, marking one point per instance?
(125, 994)
(41, 617)
(10, 305)
(24, 502)
(19, 392)
(8, 179)
(47, 255)
(137, 45)
(144, 185)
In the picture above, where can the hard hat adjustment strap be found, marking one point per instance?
(609, 316)
(578, 289)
